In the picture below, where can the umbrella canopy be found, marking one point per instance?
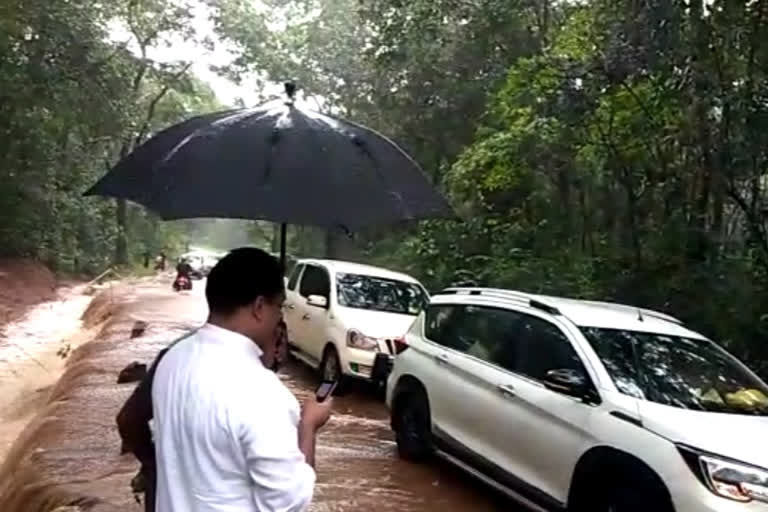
(278, 162)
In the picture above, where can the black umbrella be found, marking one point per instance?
(278, 162)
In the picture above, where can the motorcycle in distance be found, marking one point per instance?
(183, 279)
(182, 282)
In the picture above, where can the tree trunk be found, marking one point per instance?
(698, 242)
(275, 237)
(331, 246)
(121, 244)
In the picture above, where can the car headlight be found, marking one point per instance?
(356, 339)
(727, 478)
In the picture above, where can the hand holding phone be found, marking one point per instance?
(326, 388)
(317, 410)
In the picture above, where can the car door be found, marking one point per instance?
(313, 322)
(464, 394)
(442, 383)
(542, 432)
(292, 298)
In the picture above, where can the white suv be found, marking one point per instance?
(581, 406)
(342, 315)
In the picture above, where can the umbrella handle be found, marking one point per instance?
(283, 237)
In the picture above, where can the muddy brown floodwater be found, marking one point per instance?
(69, 455)
(358, 467)
(32, 353)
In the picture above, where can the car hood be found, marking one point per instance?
(736, 436)
(376, 324)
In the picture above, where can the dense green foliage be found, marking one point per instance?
(73, 98)
(609, 149)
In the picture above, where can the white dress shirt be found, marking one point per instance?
(226, 430)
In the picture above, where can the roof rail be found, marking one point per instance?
(532, 300)
(540, 301)
(493, 292)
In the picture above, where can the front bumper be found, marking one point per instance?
(382, 367)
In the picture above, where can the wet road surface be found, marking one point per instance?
(78, 454)
(358, 467)
(32, 353)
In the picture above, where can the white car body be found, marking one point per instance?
(201, 261)
(523, 437)
(314, 327)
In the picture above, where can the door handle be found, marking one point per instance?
(506, 390)
(290, 306)
(441, 359)
(305, 317)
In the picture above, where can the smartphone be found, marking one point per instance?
(325, 389)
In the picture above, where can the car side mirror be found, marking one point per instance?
(318, 301)
(570, 382)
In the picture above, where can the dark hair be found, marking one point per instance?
(242, 276)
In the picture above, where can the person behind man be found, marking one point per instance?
(228, 435)
(281, 345)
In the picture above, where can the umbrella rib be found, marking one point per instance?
(274, 139)
(363, 147)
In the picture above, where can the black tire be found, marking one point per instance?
(413, 425)
(330, 366)
(623, 491)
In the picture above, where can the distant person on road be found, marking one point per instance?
(184, 269)
(228, 435)
(160, 261)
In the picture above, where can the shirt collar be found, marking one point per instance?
(230, 338)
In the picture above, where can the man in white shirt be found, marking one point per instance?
(229, 436)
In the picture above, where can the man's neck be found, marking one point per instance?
(229, 324)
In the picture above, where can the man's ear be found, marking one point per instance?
(257, 307)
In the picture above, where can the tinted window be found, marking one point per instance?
(540, 347)
(482, 332)
(295, 277)
(379, 294)
(680, 372)
(440, 321)
(616, 351)
(315, 281)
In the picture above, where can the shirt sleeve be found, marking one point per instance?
(282, 480)
(135, 415)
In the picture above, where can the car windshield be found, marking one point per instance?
(681, 372)
(379, 294)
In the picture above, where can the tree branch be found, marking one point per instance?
(153, 104)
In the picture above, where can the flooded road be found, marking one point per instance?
(32, 353)
(71, 454)
(358, 467)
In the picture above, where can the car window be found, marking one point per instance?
(380, 294)
(295, 277)
(617, 353)
(315, 281)
(680, 372)
(540, 347)
(439, 321)
(478, 331)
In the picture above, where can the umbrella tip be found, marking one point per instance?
(290, 90)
